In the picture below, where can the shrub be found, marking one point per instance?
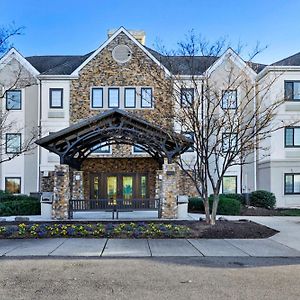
(7, 197)
(195, 204)
(227, 205)
(237, 197)
(23, 207)
(262, 199)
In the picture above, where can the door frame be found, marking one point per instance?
(102, 184)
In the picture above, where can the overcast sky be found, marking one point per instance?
(80, 26)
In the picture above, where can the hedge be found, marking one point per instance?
(227, 205)
(262, 199)
(20, 208)
(12, 205)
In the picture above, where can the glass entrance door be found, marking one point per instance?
(127, 189)
(112, 189)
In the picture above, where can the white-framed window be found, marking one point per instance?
(292, 90)
(13, 99)
(129, 98)
(146, 97)
(13, 143)
(136, 149)
(13, 185)
(229, 185)
(229, 142)
(97, 98)
(291, 183)
(113, 97)
(102, 148)
(229, 99)
(56, 97)
(186, 97)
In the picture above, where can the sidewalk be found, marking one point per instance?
(284, 244)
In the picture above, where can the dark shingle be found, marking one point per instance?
(57, 65)
(293, 60)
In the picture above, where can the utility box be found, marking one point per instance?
(182, 202)
(46, 205)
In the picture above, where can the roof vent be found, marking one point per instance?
(121, 54)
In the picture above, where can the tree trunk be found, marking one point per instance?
(214, 209)
(207, 212)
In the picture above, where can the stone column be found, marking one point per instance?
(77, 185)
(169, 190)
(61, 192)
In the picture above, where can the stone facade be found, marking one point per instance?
(167, 189)
(47, 182)
(77, 191)
(60, 203)
(103, 71)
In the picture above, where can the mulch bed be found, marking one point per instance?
(241, 229)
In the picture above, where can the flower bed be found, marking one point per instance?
(95, 230)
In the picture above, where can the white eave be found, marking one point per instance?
(15, 54)
(268, 69)
(137, 43)
(57, 77)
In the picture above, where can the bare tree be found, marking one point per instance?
(226, 110)
(13, 76)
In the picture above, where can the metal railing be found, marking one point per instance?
(114, 206)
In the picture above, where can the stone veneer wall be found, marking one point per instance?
(120, 165)
(60, 203)
(47, 183)
(140, 70)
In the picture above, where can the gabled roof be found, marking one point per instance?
(15, 54)
(134, 40)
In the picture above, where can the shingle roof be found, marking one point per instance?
(57, 65)
(181, 65)
(293, 60)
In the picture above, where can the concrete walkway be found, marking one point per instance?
(145, 248)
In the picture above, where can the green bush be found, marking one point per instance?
(7, 197)
(237, 197)
(227, 205)
(262, 199)
(195, 204)
(29, 206)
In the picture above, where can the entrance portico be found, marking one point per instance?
(119, 185)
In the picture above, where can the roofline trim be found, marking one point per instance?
(66, 77)
(14, 53)
(137, 43)
(268, 69)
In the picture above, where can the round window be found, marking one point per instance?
(121, 54)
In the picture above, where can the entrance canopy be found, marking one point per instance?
(75, 143)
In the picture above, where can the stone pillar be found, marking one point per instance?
(168, 178)
(77, 185)
(61, 192)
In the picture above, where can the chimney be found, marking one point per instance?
(139, 35)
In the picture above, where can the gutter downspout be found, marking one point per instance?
(39, 135)
(255, 139)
